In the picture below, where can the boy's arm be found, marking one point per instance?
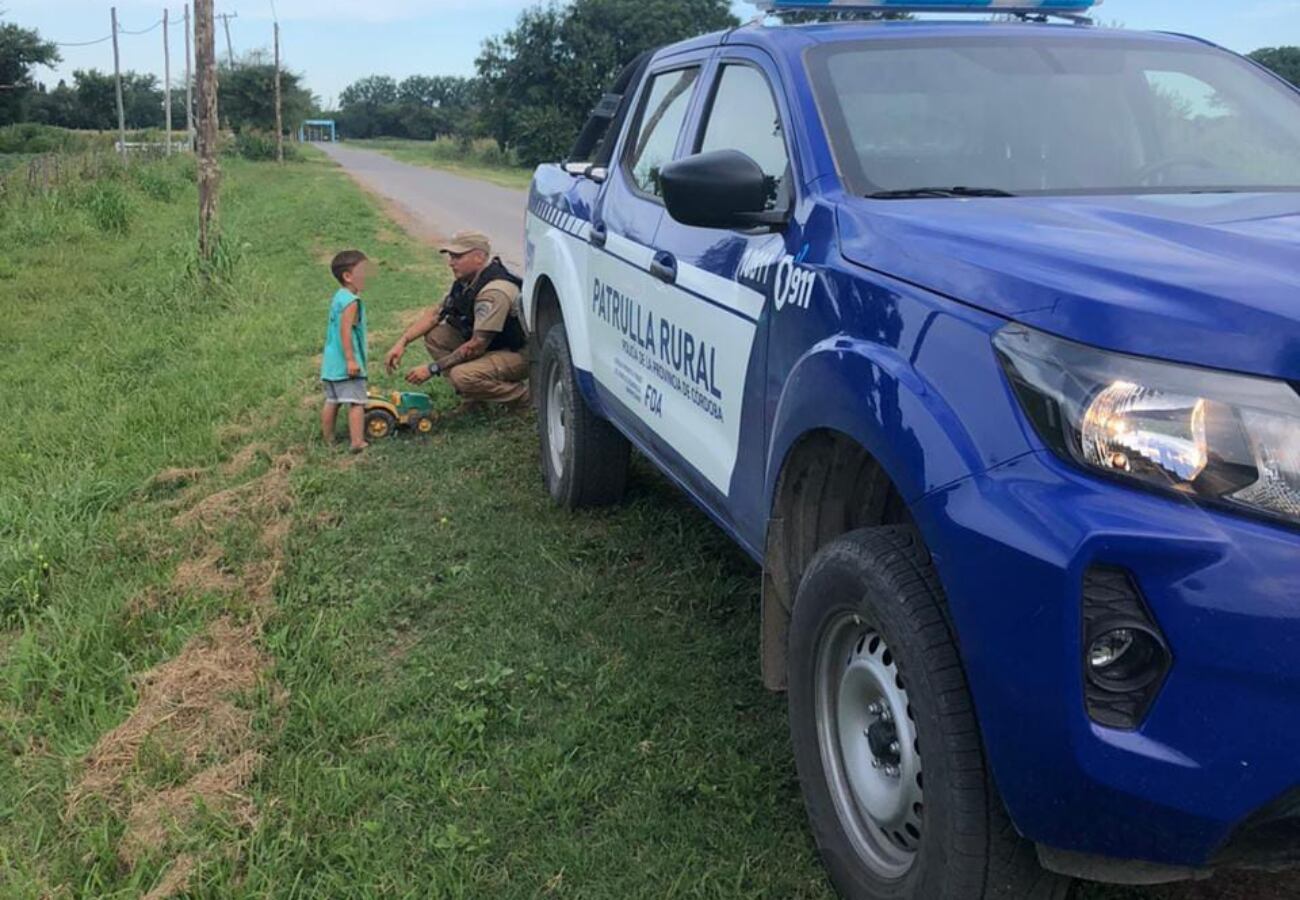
(346, 323)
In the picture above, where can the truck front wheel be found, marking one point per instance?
(584, 458)
(886, 743)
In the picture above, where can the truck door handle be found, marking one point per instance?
(664, 267)
(597, 235)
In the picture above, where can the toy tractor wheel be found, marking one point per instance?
(380, 423)
(423, 425)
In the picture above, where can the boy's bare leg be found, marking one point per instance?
(328, 415)
(357, 425)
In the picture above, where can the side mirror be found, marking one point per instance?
(719, 189)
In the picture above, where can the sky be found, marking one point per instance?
(335, 42)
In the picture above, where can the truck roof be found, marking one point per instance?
(784, 39)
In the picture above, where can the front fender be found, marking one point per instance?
(872, 394)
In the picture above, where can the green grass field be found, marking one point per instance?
(481, 161)
(234, 662)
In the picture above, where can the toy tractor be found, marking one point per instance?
(385, 412)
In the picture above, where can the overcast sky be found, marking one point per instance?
(334, 42)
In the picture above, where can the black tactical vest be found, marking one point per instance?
(458, 310)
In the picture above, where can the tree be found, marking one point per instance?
(246, 95)
(53, 106)
(421, 106)
(96, 108)
(540, 79)
(21, 49)
(363, 105)
(799, 17)
(1285, 61)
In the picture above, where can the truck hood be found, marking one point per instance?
(1209, 279)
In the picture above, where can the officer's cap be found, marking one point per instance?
(465, 241)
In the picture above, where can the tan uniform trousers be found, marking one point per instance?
(498, 376)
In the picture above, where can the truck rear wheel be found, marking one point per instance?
(584, 458)
(886, 743)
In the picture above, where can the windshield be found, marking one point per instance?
(1043, 115)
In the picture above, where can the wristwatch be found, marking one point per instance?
(434, 369)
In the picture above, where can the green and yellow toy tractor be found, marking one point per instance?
(408, 409)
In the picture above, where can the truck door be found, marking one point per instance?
(624, 287)
(729, 286)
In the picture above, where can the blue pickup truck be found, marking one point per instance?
(983, 338)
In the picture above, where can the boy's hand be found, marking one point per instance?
(354, 368)
(394, 356)
(419, 375)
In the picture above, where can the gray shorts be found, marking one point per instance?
(351, 390)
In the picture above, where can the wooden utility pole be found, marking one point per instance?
(209, 173)
(167, 85)
(230, 51)
(117, 78)
(189, 84)
(279, 123)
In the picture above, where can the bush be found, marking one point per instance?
(483, 151)
(259, 146)
(157, 182)
(108, 205)
(30, 137)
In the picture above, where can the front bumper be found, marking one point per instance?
(1217, 749)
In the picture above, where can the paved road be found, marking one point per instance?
(433, 203)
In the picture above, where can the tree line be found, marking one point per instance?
(535, 84)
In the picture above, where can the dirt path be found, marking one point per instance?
(432, 204)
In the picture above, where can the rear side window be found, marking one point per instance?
(667, 98)
(744, 117)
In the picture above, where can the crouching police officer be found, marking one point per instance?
(474, 336)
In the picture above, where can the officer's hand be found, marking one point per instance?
(394, 356)
(419, 375)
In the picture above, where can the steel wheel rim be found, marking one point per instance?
(557, 431)
(869, 747)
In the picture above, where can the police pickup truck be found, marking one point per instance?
(983, 338)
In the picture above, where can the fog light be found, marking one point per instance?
(1125, 658)
(1109, 648)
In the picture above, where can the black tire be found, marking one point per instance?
(870, 612)
(380, 423)
(585, 462)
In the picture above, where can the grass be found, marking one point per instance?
(481, 160)
(442, 685)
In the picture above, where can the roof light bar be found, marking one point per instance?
(1068, 8)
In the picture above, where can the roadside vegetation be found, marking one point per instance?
(481, 159)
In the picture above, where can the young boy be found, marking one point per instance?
(343, 364)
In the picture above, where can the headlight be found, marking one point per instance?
(1217, 437)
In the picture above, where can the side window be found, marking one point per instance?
(666, 101)
(744, 117)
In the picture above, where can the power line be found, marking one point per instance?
(141, 31)
(107, 37)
